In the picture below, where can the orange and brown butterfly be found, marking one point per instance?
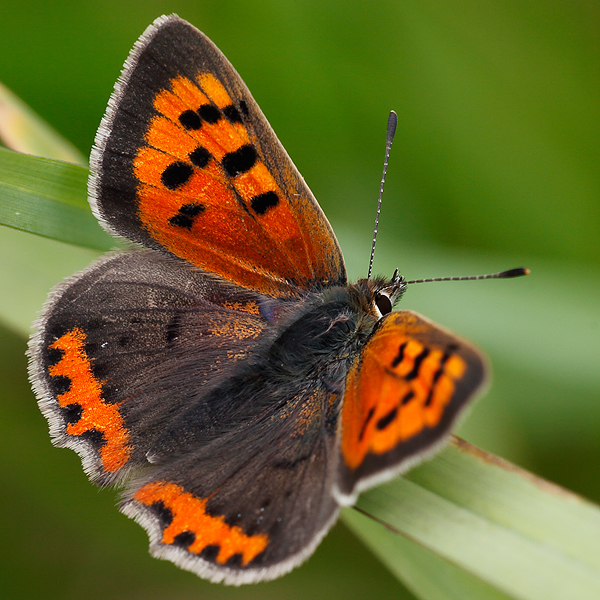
(223, 369)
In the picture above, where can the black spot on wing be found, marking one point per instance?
(436, 376)
(53, 355)
(94, 437)
(185, 217)
(235, 561)
(60, 384)
(232, 114)
(200, 157)
(387, 419)
(240, 161)
(264, 202)
(400, 356)
(72, 413)
(176, 175)
(418, 360)
(163, 514)
(407, 398)
(366, 422)
(181, 221)
(184, 539)
(191, 210)
(210, 552)
(190, 120)
(209, 113)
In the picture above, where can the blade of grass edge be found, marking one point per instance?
(425, 574)
(23, 130)
(48, 197)
(514, 532)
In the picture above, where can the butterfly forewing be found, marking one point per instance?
(186, 161)
(403, 394)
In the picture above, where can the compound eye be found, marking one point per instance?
(383, 303)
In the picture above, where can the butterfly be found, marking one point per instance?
(222, 369)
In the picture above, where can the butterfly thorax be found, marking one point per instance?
(321, 341)
(328, 332)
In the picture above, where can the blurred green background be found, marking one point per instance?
(495, 165)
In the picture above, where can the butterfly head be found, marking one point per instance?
(378, 295)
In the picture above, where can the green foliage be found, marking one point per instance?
(47, 197)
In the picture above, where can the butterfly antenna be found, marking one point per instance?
(389, 138)
(502, 275)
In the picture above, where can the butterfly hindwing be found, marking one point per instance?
(186, 161)
(403, 394)
(127, 345)
(249, 504)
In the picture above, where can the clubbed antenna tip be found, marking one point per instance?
(502, 275)
(514, 272)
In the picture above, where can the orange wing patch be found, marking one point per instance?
(240, 328)
(189, 516)
(206, 195)
(400, 386)
(86, 391)
(250, 307)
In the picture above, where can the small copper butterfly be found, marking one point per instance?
(223, 369)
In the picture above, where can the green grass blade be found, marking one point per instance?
(23, 130)
(48, 197)
(426, 574)
(514, 534)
